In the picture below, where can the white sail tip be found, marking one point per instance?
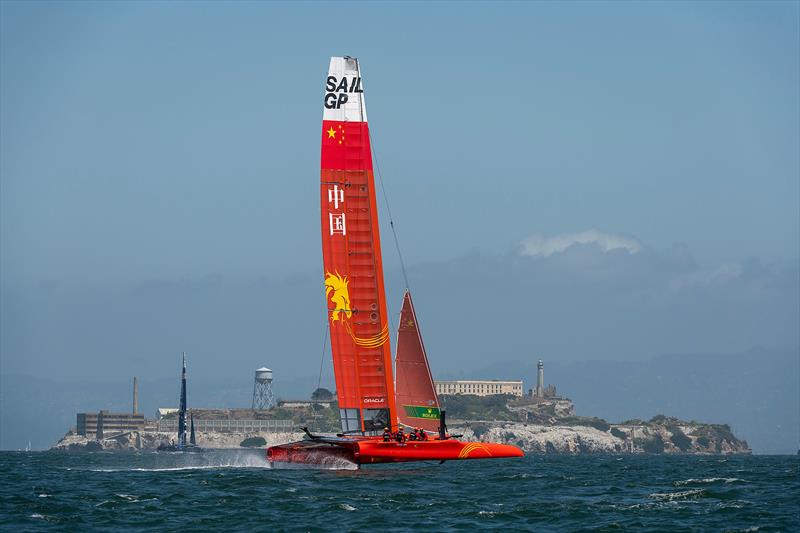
(344, 91)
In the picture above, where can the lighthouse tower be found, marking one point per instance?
(540, 380)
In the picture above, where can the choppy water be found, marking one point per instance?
(235, 490)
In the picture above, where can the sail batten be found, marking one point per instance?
(353, 271)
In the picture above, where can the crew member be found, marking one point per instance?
(401, 437)
(387, 435)
(422, 434)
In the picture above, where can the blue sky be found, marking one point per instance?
(174, 140)
(581, 165)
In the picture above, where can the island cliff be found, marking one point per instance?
(545, 426)
(550, 425)
(676, 437)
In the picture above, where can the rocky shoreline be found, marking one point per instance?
(688, 439)
(537, 426)
(151, 440)
(670, 437)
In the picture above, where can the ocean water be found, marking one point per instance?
(236, 490)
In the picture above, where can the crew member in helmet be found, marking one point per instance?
(401, 437)
(387, 435)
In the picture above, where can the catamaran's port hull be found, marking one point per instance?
(374, 451)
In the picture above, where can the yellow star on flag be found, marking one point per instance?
(331, 133)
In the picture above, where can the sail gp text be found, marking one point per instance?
(334, 86)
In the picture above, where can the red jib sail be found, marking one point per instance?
(418, 405)
(359, 329)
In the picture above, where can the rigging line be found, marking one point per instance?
(389, 211)
(394, 233)
(390, 316)
(321, 361)
(324, 346)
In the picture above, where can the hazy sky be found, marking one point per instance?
(152, 148)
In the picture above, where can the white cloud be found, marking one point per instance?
(539, 245)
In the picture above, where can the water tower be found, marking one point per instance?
(263, 398)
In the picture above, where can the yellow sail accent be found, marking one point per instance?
(336, 291)
(336, 284)
(370, 342)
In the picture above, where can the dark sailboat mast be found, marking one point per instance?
(182, 410)
(182, 445)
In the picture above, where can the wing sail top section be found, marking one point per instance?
(418, 404)
(351, 251)
(344, 92)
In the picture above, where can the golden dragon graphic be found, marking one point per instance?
(337, 292)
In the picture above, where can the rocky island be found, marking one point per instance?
(545, 425)
(549, 425)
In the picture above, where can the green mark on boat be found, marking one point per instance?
(419, 411)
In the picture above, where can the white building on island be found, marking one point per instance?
(479, 387)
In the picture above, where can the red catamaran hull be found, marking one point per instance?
(375, 450)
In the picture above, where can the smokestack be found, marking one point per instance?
(540, 380)
(135, 396)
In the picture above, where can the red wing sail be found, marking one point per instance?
(418, 405)
(362, 358)
(351, 251)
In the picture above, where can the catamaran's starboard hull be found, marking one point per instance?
(375, 451)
